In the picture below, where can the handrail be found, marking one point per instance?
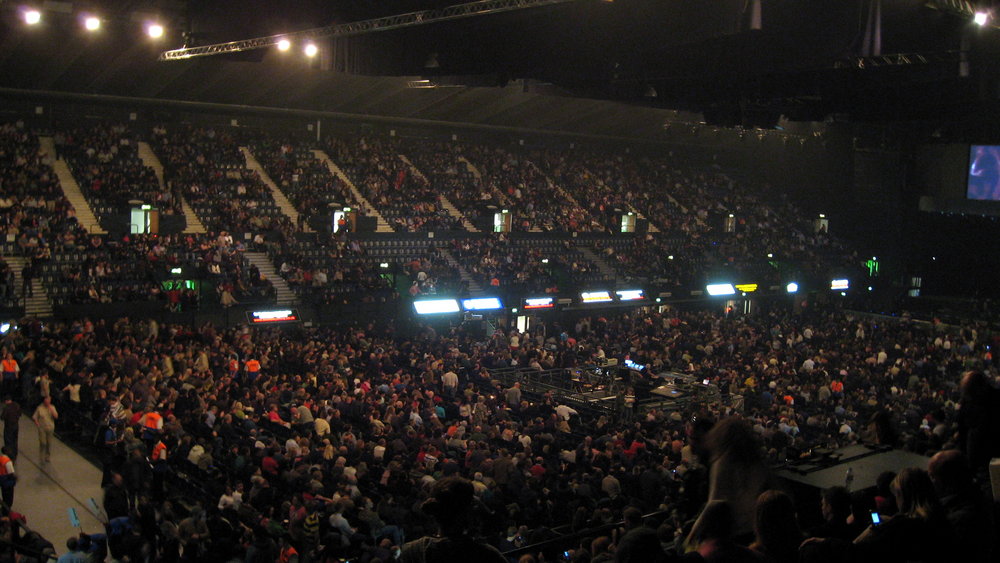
(560, 541)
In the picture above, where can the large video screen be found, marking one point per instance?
(984, 173)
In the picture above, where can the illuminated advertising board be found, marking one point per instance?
(435, 306)
(482, 304)
(538, 303)
(595, 297)
(272, 317)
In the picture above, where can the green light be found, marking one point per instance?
(872, 266)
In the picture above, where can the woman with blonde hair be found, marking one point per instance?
(920, 531)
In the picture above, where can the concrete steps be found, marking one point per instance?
(38, 305)
(84, 214)
(149, 158)
(473, 285)
(284, 204)
(472, 168)
(652, 228)
(381, 225)
(556, 188)
(447, 205)
(285, 295)
(602, 265)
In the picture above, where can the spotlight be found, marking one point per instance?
(155, 30)
(981, 18)
(31, 17)
(92, 23)
(311, 50)
(284, 45)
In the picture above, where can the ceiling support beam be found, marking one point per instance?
(411, 19)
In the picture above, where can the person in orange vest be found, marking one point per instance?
(7, 477)
(252, 368)
(158, 458)
(287, 554)
(152, 427)
(11, 373)
(838, 388)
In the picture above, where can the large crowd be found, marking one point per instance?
(34, 211)
(330, 442)
(301, 176)
(104, 160)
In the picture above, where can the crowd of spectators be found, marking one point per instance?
(301, 176)
(138, 268)
(329, 441)
(206, 165)
(499, 262)
(513, 181)
(104, 160)
(33, 209)
(405, 199)
(347, 270)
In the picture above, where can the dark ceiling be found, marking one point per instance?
(617, 68)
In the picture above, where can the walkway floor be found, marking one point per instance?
(45, 491)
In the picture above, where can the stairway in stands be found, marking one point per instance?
(556, 188)
(149, 158)
(279, 197)
(84, 214)
(284, 293)
(381, 225)
(447, 205)
(597, 259)
(474, 287)
(38, 305)
(650, 226)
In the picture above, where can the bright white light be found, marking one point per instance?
(792, 287)
(92, 23)
(432, 306)
(840, 284)
(155, 30)
(538, 303)
(311, 50)
(720, 289)
(981, 18)
(482, 304)
(31, 17)
(284, 45)
(630, 294)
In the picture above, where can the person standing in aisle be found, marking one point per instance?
(7, 477)
(11, 374)
(45, 419)
(11, 416)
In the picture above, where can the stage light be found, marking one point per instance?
(284, 45)
(155, 30)
(31, 17)
(92, 23)
(792, 287)
(311, 50)
(981, 18)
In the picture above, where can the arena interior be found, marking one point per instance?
(508, 280)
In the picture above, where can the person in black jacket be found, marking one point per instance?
(451, 506)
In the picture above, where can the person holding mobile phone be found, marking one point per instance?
(919, 532)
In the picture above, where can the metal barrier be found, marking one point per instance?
(567, 541)
(591, 390)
